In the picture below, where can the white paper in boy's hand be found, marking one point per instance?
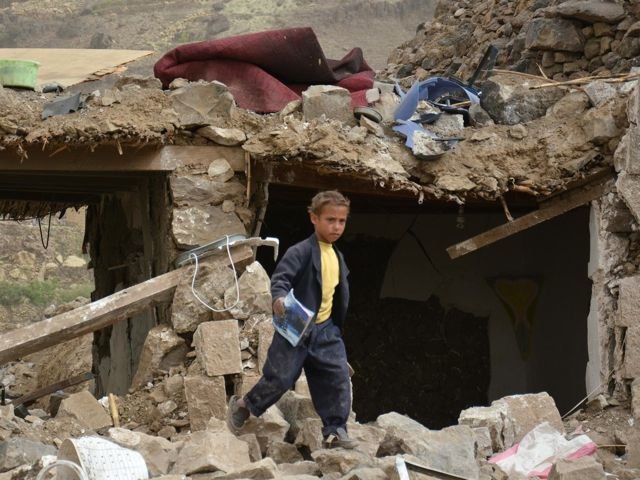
(295, 322)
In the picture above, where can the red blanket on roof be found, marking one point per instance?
(265, 71)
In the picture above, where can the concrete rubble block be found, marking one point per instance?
(254, 446)
(628, 187)
(635, 399)
(340, 460)
(18, 451)
(86, 410)
(369, 437)
(310, 435)
(229, 137)
(304, 468)
(631, 363)
(162, 349)
(202, 103)
(554, 34)
(295, 409)
(450, 449)
(265, 337)
(366, 473)
(198, 225)
(211, 452)
(158, 453)
(206, 398)
(213, 278)
(493, 419)
(255, 293)
(509, 100)
(218, 347)
(528, 411)
(584, 468)
(283, 452)
(221, 170)
(270, 427)
(629, 302)
(591, 11)
(328, 100)
(599, 124)
(261, 470)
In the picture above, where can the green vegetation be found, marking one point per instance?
(40, 293)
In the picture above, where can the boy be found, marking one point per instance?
(315, 270)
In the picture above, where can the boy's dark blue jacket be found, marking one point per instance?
(299, 269)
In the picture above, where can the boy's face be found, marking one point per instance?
(330, 222)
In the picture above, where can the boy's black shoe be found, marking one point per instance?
(339, 439)
(236, 414)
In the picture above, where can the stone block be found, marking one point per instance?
(305, 468)
(261, 470)
(283, 452)
(366, 473)
(530, 410)
(329, 101)
(254, 446)
(198, 225)
(510, 101)
(635, 399)
(202, 103)
(339, 460)
(627, 155)
(600, 92)
(310, 434)
(270, 427)
(554, 34)
(255, 293)
(584, 468)
(221, 170)
(86, 410)
(599, 124)
(211, 452)
(158, 453)
(484, 443)
(628, 187)
(591, 11)
(265, 337)
(248, 382)
(18, 451)
(217, 346)
(162, 349)
(628, 314)
(295, 409)
(617, 218)
(206, 398)
(229, 137)
(369, 437)
(631, 363)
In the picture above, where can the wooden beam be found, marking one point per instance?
(49, 389)
(106, 158)
(101, 313)
(552, 209)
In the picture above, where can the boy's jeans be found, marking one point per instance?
(324, 359)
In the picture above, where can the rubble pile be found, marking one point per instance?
(558, 39)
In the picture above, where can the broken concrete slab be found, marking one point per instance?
(158, 453)
(255, 293)
(217, 346)
(162, 349)
(86, 410)
(229, 137)
(329, 101)
(202, 103)
(17, 451)
(211, 452)
(584, 468)
(206, 398)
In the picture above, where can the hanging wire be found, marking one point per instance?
(45, 245)
(235, 276)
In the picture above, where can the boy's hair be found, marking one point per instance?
(328, 197)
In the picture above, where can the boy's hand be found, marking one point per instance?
(278, 306)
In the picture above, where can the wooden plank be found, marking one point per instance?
(106, 158)
(555, 207)
(49, 389)
(99, 314)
